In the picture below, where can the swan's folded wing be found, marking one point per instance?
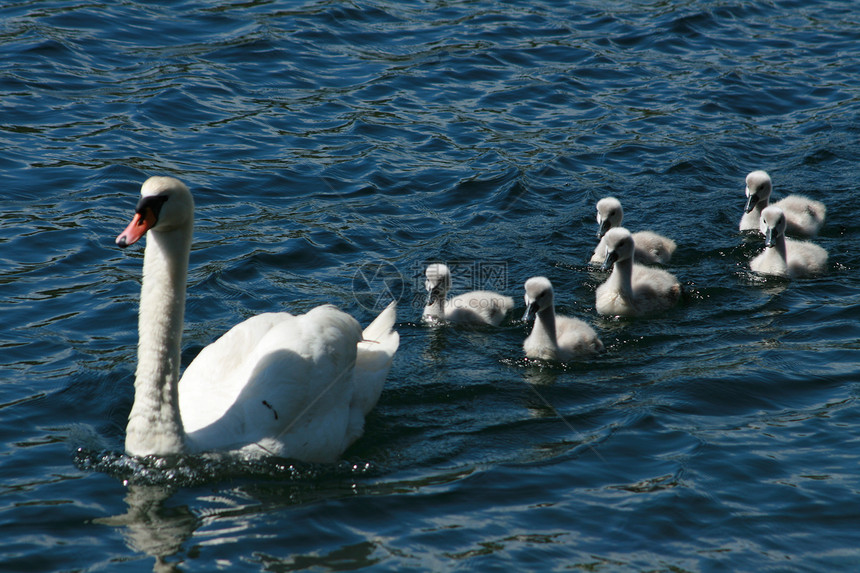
(576, 337)
(804, 216)
(374, 358)
(294, 395)
(214, 379)
(805, 258)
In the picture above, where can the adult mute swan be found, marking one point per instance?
(632, 289)
(803, 216)
(555, 337)
(278, 384)
(651, 248)
(476, 307)
(786, 257)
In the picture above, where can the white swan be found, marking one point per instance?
(632, 289)
(786, 257)
(803, 216)
(476, 307)
(292, 386)
(555, 337)
(651, 248)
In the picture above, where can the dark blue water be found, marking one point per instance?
(334, 148)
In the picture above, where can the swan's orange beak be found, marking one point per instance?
(142, 222)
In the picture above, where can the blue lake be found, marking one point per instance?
(334, 148)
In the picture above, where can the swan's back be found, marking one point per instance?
(217, 375)
(575, 338)
(803, 216)
(805, 258)
(276, 384)
(652, 248)
(478, 307)
(654, 289)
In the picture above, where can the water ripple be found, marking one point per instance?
(321, 136)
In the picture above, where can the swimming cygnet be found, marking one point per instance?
(651, 248)
(803, 216)
(786, 257)
(476, 307)
(555, 337)
(633, 289)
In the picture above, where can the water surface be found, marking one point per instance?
(335, 148)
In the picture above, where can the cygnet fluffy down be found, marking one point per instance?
(803, 216)
(632, 289)
(555, 337)
(476, 307)
(786, 257)
(651, 248)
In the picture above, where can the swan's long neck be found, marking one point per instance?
(545, 328)
(621, 278)
(780, 250)
(436, 307)
(154, 424)
(755, 214)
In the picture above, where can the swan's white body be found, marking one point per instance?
(632, 289)
(476, 307)
(803, 216)
(555, 337)
(276, 384)
(786, 257)
(651, 248)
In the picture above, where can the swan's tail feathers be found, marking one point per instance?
(373, 361)
(382, 325)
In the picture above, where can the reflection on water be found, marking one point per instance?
(151, 527)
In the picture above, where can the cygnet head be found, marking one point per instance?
(772, 225)
(538, 297)
(758, 189)
(165, 205)
(437, 282)
(619, 246)
(609, 215)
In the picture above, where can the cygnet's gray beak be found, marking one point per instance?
(531, 311)
(434, 296)
(610, 259)
(769, 238)
(605, 225)
(752, 201)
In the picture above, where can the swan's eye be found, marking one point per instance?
(151, 204)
